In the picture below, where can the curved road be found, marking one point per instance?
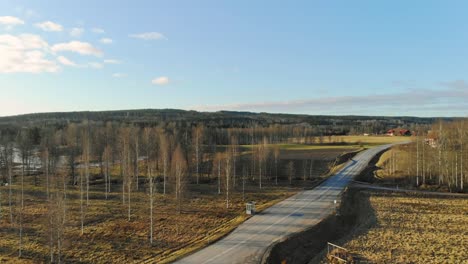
(248, 242)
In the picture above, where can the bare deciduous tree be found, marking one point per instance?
(179, 170)
(164, 154)
(198, 141)
(106, 157)
(228, 157)
(262, 152)
(276, 154)
(291, 171)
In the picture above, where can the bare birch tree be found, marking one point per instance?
(234, 146)
(276, 154)
(197, 142)
(164, 154)
(106, 157)
(179, 170)
(227, 174)
(291, 171)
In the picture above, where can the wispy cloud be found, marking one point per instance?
(452, 94)
(49, 26)
(10, 21)
(457, 84)
(119, 75)
(83, 48)
(26, 12)
(112, 61)
(149, 36)
(106, 41)
(65, 61)
(163, 80)
(26, 53)
(95, 65)
(76, 32)
(98, 30)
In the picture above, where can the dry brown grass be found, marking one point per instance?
(327, 154)
(402, 159)
(411, 229)
(367, 140)
(109, 237)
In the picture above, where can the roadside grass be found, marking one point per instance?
(401, 228)
(402, 159)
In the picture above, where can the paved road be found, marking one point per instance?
(248, 242)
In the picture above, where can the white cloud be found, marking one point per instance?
(163, 80)
(49, 26)
(23, 41)
(148, 36)
(112, 61)
(98, 30)
(25, 53)
(83, 48)
(95, 65)
(76, 32)
(106, 40)
(63, 60)
(119, 75)
(10, 21)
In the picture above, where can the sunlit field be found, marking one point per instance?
(400, 228)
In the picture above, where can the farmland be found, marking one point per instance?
(402, 228)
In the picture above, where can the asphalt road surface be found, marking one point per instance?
(248, 242)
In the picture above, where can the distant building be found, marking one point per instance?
(405, 132)
(399, 132)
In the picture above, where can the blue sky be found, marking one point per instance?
(311, 57)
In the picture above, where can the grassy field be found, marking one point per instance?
(110, 237)
(398, 228)
(341, 142)
(369, 140)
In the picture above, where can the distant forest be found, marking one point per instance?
(323, 125)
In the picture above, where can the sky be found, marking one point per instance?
(309, 57)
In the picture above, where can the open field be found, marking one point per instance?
(367, 140)
(308, 147)
(340, 142)
(400, 228)
(315, 154)
(110, 237)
